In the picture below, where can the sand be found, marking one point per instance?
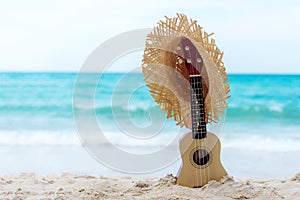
(70, 186)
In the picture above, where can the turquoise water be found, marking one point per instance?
(37, 107)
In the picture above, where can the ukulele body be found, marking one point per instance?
(200, 161)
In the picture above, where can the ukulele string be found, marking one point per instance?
(200, 105)
(203, 121)
(197, 109)
(186, 48)
(194, 93)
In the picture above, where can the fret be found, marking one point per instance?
(202, 131)
(196, 93)
(196, 128)
(195, 97)
(201, 114)
(198, 115)
(199, 127)
(200, 134)
(198, 103)
(198, 119)
(196, 86)
(199, 131)
(197, 109)
(198, 106)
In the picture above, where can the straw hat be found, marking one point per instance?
(168, 78)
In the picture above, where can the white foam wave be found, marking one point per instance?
(48, 138)
(130, 107)
(276, 108)
(52, 138)
(244, 142)
(123, 140)
(262, 143)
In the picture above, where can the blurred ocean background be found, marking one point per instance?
(38, 132)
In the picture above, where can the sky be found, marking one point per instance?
(58, 35)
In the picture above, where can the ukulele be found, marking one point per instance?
(200, 150)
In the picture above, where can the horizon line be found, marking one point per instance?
(122, 72)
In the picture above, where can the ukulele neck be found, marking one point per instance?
(197, 107)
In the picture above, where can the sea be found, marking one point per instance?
(39, 132)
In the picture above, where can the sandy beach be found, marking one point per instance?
(70, 186)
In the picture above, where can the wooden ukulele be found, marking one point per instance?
(200, 150)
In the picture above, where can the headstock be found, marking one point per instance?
(189, 56)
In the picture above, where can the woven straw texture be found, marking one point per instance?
(168, 78)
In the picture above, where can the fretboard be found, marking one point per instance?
(197, 107)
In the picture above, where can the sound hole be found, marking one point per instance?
(201, 157)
